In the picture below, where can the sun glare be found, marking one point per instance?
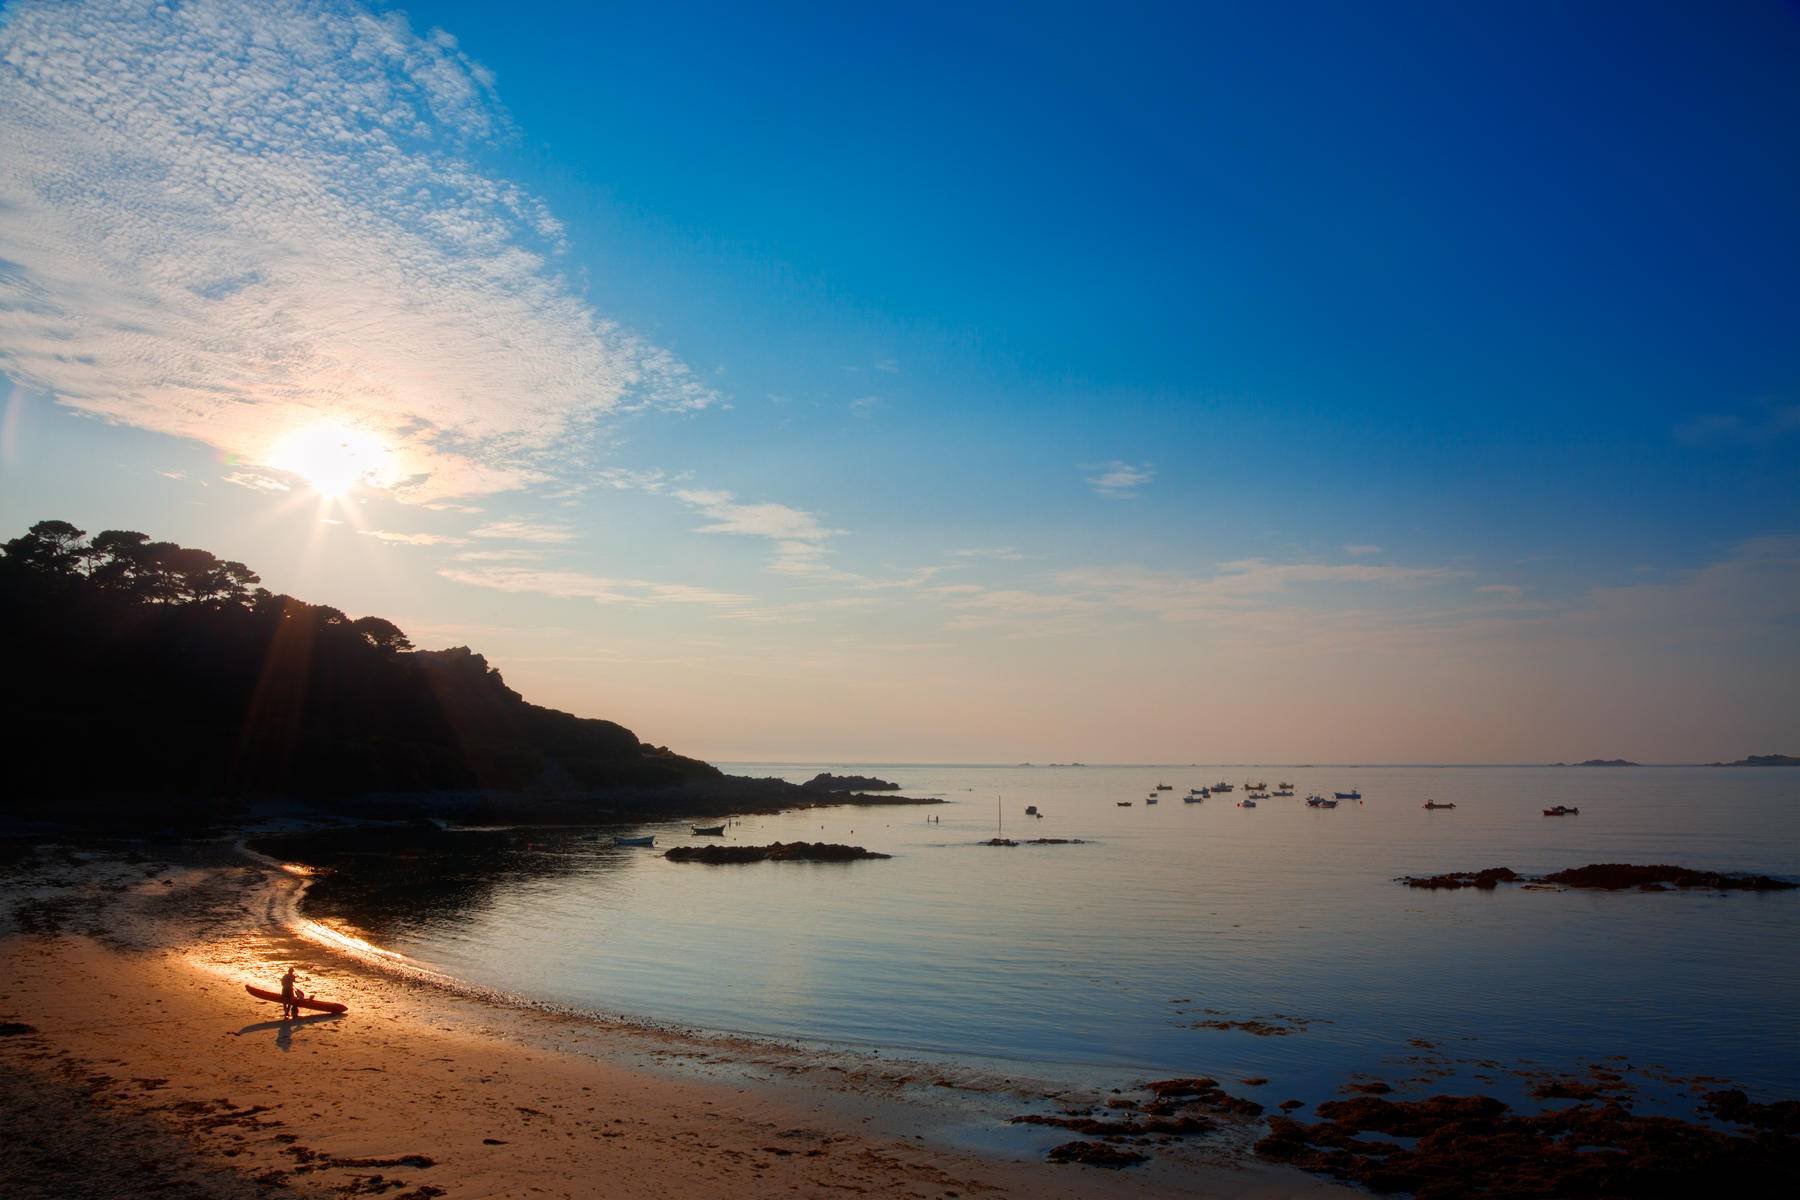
(332, 458)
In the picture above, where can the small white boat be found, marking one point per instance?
(634, 841)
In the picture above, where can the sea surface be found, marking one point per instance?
(1098, 962)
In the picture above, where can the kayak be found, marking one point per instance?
(330, 1006)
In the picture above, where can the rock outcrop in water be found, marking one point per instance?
(1611, 877)
(825, 781)
(774, 852)
(1486, 880)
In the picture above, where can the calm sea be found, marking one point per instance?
(1098, 962)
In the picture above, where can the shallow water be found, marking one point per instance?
(1094, 962)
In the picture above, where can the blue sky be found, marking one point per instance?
(919, 383)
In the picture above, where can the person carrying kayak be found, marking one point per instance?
(289, 994)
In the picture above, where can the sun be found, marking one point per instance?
(332, 458)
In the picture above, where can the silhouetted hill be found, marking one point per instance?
(143, 673)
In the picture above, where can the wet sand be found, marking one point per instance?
(143, 1066)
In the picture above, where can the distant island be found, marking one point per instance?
(1608, 762)
(825, 781)
(156, 683)
(1762, 760)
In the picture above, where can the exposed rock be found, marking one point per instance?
(1732, 1105)
(1095, 1154)
(1473, 1146)
(825, 781)
(774, 852)
(1618, 876)
(1486, 880)
(1607, 877)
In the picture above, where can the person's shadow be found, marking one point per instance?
(284, 1030)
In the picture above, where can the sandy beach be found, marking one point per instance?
(134, 1062)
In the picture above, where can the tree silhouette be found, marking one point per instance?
(145, 667)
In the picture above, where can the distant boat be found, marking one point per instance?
(1352, 794)
(1284, 784)
(1320, 802)
(1435, 804)
(709, 830)
(1193, 797)
(1124, 803)
(1222, 787)
(1259, 794)
(1246, 802)
(1284, 790)
(1031, 810)
(1562, 810)
(1163, 787)
(634, 841)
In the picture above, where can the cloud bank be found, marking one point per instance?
(229, 220)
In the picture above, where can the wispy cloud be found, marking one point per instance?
(414, 539)
(601, 589)
(777, 521)
(1120, 480)
(230, 220)
(1361, 549)
(1247, 583)
(499, 556)
(1763, 424)
(524, 531)
(256, 481)
(998, 553)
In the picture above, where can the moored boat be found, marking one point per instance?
(1284, 790)
(1246, 802)
(1123, 803)
(1435, 804)
(1320, 802)
(1031, 810)
(647, 840)
(1562, 810)
(1352, 794)
(1165, 787)
(709, 830)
